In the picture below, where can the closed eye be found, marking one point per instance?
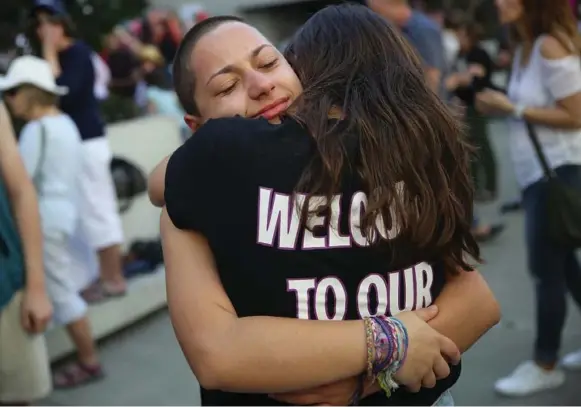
(270, 64)
(228, 90)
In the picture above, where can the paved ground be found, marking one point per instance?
(146, 367)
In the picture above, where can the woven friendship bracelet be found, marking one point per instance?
(387, 343)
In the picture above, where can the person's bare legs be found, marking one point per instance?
(82, 337)
(87, 367)
(111, 270)
(111, 282)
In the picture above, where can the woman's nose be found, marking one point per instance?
(260, 85)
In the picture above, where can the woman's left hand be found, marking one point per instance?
(477, 70)
(493, 102)
(334, 394)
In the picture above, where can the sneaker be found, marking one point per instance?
(529, 378)
(572, 361)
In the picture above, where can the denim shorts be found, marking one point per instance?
(445, 399)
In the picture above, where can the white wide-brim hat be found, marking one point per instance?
(30, 70)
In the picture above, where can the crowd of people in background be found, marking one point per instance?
(138, 55)
(64, 93)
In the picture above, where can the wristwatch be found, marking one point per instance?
(518, 111)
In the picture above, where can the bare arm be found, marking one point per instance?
(433, 77)
(251, 354)
(50, 55)
(554, 117)
(128, 39)
(567, 112)
(468, 309)
(23, 200)
(151, 108)
(156, 183)
(431, 52)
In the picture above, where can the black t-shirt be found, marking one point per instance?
(477, 55)
(233, 181)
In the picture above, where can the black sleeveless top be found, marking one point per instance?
(233, 181)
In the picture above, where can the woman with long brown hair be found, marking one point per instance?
(544, 90)
(356, 207)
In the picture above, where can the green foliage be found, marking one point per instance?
(12, 18)
(93, 18)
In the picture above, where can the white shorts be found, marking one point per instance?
(68, 305)
(85, 262)
(98, 210)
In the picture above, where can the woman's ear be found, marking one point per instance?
(193, 122)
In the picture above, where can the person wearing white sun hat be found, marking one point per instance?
(30, 70)
(51, 149)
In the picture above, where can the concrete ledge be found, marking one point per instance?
(146, 294)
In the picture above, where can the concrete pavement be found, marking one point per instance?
(145, 365)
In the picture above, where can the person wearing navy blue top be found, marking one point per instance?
(72, 64)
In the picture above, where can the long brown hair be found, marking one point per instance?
(552, 17)
(349, 58)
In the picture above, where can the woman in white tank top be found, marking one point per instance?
(545, 90)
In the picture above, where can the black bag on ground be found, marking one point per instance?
(563, 202)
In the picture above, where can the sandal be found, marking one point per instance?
(93, 293)
(99, 291)
(76, 374)
(112, 291)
